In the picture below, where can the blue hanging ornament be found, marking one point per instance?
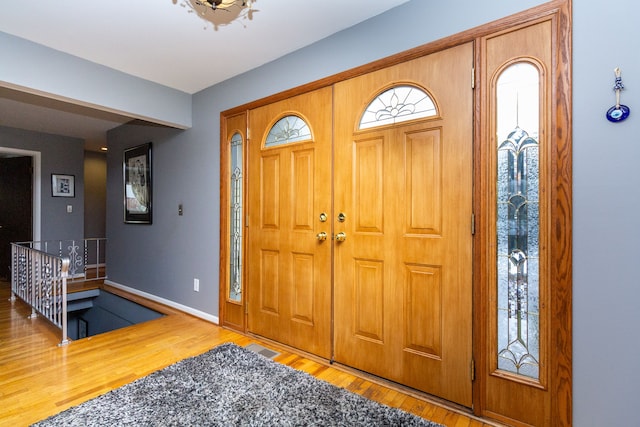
(618, 112)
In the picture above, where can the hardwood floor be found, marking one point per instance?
(39, 379)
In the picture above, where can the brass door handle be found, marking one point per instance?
(341, 237)
(321, 236)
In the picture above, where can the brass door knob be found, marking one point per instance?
(321, 236)
(341, 237)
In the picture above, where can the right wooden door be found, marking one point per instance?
(403, 141)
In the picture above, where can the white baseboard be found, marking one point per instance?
(197, 313)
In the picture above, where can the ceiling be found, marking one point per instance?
(165, 42)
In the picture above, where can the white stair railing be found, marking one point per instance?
(86, 256)
(40, 280)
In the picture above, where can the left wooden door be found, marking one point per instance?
(289, 200)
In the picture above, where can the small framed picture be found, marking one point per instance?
(138, 185)
(63, 185)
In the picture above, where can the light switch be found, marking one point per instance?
(180, 209)
(69, 208)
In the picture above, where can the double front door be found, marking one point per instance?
(360, 236)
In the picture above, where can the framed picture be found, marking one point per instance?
(63, 185)
(137, 184)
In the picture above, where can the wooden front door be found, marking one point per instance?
(289, 265)
(398, 223)
(403, 182)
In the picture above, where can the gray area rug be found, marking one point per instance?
(230, 385)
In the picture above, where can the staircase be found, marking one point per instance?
(81, 300)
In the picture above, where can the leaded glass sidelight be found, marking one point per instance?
(287, 130)
(235, 271)
(396, 105)
(518, 220)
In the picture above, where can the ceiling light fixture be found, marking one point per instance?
(215, 4)
(220, 12)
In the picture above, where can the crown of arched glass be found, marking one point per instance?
(288, 129)
(398, 104)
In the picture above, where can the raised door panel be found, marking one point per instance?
(368, 185)
(424, 182)
(423, 309)
(369, 300)
(270, 192)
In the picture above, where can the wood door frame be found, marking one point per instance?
(232, 314)
(561, 194)
(559, 231)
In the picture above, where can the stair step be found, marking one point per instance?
(81, 300)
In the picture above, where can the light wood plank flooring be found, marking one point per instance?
(39, 379)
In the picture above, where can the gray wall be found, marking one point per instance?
(606, 282)
(163, 258)
(60, 155)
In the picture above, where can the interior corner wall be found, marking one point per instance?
(95, 194)
(59, 155)
(163, 258)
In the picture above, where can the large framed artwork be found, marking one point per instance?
(137, 184)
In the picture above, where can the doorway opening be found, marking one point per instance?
(20, 189)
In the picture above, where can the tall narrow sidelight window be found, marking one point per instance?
(518, 220)
(235, 276)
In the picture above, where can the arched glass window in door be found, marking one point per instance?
(518, 219)
(235, 270)
(398, 104)
(287, 130)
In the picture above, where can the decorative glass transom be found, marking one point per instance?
(398, 104)
(518, 220)
(287, 130)
(235, 270)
